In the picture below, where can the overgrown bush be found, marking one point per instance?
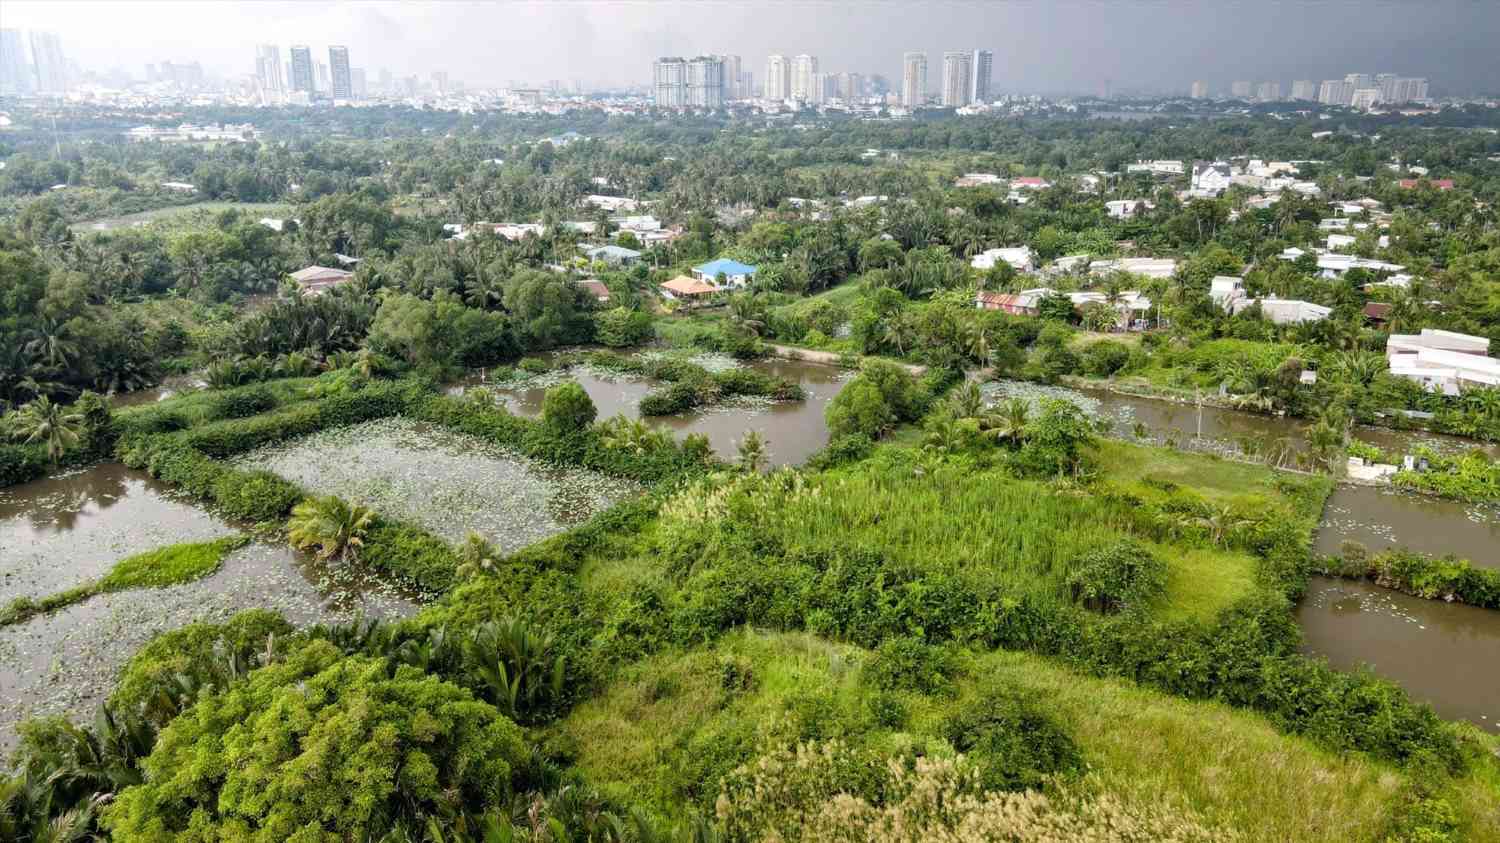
(1104, 358)
(1124, 574)
(906, 663)
(567, 408)
(1012, 740)
(321, 746)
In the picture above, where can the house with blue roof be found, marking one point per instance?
(735, 274)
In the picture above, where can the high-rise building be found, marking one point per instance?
(15, 70)
(384, 83)
(1268, 91)
(343, 83)
(733, 71)
(1335, 92)
(440, 82)
(705, 82)
(670, 75)
(268, 72)
(804, 67)
(914, 79)
(1365, 98)
(51, 65)
(1360, 80)
(850, 86)
(778, 78)
(1239, 90)
(321, 77)
(302, 68)
(1305, 90)
(984, 65)
(958, 72)
(361, 87)
(1200, 90)
(1400, 89)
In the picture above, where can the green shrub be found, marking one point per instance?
(239, 403)
(859, 410)
(319, 746)
(619, 327)
(567, 408)
(192, 656)
(1012, 740)
(1124, 574)
(1104, 358)
(905, 663)
(412, 554)
(255, 495)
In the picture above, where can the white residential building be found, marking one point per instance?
(958, 72)
(1283, 311)
(1225, 289)
(1149, 267)
(1124, 209)
(1338, 242)
(1021, 258)
(1443, 361)
(1210, 178)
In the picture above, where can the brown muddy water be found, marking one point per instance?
(1381, 517)
(61, 531)
(792, 430)
(66, 662)
(1445, 654)
(166, 389)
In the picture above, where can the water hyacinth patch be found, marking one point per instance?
(448, 483)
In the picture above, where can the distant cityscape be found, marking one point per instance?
(34, 63)
(1357, 90)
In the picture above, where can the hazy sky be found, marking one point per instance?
(1061, 45)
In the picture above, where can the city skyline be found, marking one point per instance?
(612, 44)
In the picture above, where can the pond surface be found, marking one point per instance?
(1224, 429)
(447, 482)
(1381, 517)
(1445, 654)
(792, 430)
(61, 531)
(166, 389)
(66, 662)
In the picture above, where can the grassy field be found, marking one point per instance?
(669, 724)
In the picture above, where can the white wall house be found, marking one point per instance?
(1124, 209)
(1443, 361)
(1149, 267)
(1211, 177)
(1225, 289)
(1283, 311)
(1021, 258)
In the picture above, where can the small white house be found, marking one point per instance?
(1124, 209)
(1339, 242)
(1149, 267)
(1225, 289)
(1021, 258)
(1211, 177)
(1284, 311)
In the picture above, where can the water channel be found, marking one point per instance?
(792, 430)
(1446, 654)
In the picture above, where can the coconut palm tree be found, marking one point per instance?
(967, 401)
(475, 557)
(50, 424)
(329, 526)
(1009, 423)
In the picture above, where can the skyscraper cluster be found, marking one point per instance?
(44, 72)
(966, 78)
(1358, 89)
(305, 79)
(1363, 90)
(699, 82)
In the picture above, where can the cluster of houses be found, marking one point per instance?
(1017, 188)
(1443, 361)
(708, 280)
